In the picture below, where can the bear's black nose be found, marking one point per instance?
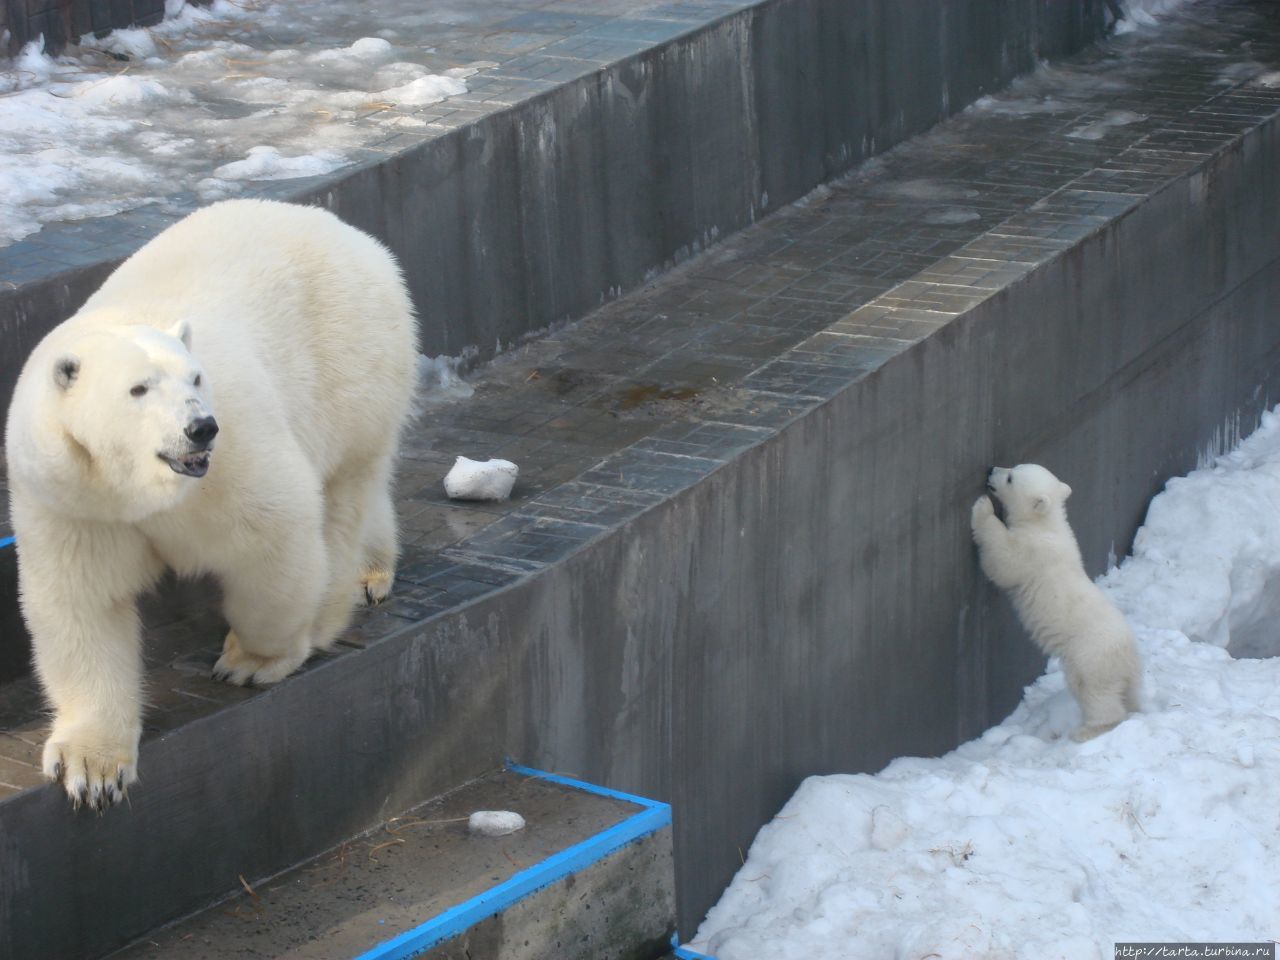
(202, 431)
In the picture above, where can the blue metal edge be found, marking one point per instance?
(684, 953)
(6, 542)
(653, 816)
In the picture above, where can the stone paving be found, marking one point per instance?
(653, 392)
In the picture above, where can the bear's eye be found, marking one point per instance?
(1008, 479)
(139, 390)
(196, 381)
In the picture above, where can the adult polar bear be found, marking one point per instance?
(290, 336)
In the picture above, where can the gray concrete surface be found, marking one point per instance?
(415, 866)
(758, 565)
(612, 139)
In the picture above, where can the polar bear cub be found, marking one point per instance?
(1034, 557)
(229, 403)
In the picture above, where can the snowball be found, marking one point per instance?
(369, 47)
(495, 823)
(480, 480)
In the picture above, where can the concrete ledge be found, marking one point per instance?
(531, 201)
(589, 877)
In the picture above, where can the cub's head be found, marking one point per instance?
(129, 407)
(1027, 491)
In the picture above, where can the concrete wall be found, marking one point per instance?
(537, 214)
(540, 212)
(814, 606)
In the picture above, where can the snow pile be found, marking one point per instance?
(207, 100)
(480, 479)
(1206, 562)
(495, 823)
(1022, 844)
(1145, 13)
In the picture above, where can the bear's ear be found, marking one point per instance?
(1064, 491)
(181, 331)
(65, 370)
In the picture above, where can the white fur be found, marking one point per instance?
(303, 337)
(1034, 557)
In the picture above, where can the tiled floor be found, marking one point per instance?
(654, 391)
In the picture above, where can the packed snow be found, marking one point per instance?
(1023, 844)
(208, 99)
(495, 823)
(480, 479)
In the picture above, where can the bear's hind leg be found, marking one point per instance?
(237, 665)
(271, 617)
(1102, 701)
(348, 498)
(379, 540)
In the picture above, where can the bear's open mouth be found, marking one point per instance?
(189, 464)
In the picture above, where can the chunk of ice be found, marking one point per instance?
(480, 479)
(495, 823)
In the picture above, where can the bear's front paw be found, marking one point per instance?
(95, 764)
(982, 508)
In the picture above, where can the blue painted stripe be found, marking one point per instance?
(684, 953)
(652, 817)
(6, 542)
(584, 786)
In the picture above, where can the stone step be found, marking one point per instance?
(588, 877)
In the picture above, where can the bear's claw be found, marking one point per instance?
(377, 586)
(95, 769)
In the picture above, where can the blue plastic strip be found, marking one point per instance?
(6, 542)
(652, 817)
(586, 787)
(684, 953)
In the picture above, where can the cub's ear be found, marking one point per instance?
(65, 370)
(181, 331)
(1065, 491)
(1040, 504)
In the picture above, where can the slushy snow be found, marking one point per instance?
(1022, 844)
(440, 379)
(1145, 13)
(480, 479)
(208, 99)
(1098, 128)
